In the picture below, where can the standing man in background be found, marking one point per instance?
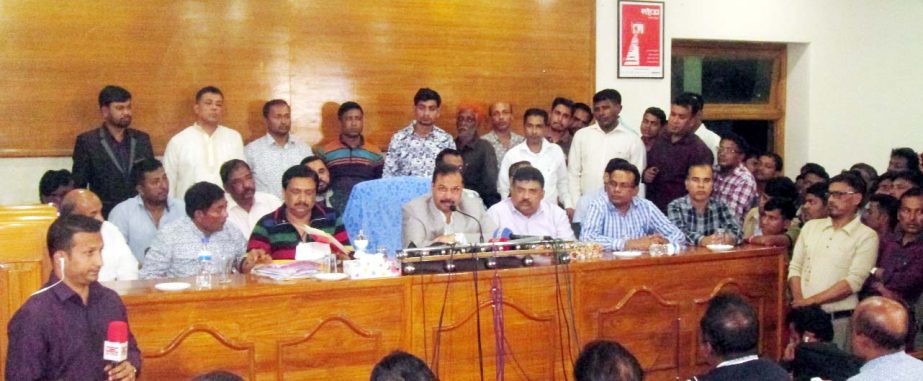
(276, 151)
(562, 111)
(413, 149)
(103, 157)
(350, 158)
(501, 135)
(197, 152)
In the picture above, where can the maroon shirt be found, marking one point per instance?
(902, 266)
(54, 336)
(673, 160)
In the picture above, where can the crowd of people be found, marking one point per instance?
(578, 173)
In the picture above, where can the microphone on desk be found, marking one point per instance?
(115, 348)
(480, 229)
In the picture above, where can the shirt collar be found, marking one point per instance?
(850, 227)
(470, 143)
(270, 141)
(739, 360)
(63, 292)
(635, 202)
(340, 138)
(539, 211)
(171, 202)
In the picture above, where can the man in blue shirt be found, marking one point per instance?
(624, 221)
(878, 329)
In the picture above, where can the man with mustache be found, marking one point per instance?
(324, 192)
(526, 212)
(273, 153)
(501, 135)
(279, 232)
(562, 111)
(440, 216)
(699, 215)
(246, 205)
(196, 153)
(479, 167)
(103, 157)
(413, 149)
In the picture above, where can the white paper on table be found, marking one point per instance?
(312, 251)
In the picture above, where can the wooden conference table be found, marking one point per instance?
(315, 330)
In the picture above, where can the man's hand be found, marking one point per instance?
(650, 174)
(255, 257)
(804, 302)
(645, 242)
(123, 371)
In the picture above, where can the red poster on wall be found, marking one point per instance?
(640, 39)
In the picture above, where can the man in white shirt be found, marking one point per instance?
(197, 152)
(546, 157)
(594, 146)
(246, 205)
(118, 261)
(276, 151)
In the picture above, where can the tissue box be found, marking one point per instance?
(370, 266)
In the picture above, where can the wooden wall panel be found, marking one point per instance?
(58, 55)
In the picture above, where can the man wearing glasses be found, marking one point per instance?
(734, 184)
(833, 256)
(620, 220)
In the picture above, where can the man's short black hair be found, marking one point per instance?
(693, 101)
(911, 176)
(401, 366)
(605, 360)
(299, 170)
(608, 94)
(776, 159)
(913, 161)
(888, 205)
(738, 140)
(818, 190)
(229, 167)
(207, 90)
(427, 94)
(142, 168)
(52, 180)
(912, 192)
(269, 105)
(865, 168)
(853, 181)
(657, 113)
(785, 206)
(623, 165)
(443, 169)
(816, 169)
(730, 326)
(585, 107)
(448, 151)
(201, 196)
(346, 106)
(218, 375)
(61, 232)
(111, 94)
(563, 101)
(310, 159)
(529, 174)
(811, 319)
(535, 112)
(781, 186)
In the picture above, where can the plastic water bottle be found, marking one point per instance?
(203, 279)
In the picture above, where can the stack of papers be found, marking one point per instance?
(291, 270)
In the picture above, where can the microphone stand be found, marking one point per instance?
(477, 303)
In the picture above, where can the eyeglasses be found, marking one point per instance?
(839, 194)
(727, 150)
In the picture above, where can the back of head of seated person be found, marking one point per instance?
(605, 360)
(810, 351)
(401, 366)
(218, 375)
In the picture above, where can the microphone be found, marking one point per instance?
(480, 229)
(115, 348)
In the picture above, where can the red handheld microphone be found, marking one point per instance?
(115, 348)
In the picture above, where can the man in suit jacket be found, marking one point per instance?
(103, 156)
(440, 216)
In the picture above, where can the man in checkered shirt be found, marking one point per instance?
(734, 184)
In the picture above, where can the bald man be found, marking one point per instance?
(878, 330)
(118, 261)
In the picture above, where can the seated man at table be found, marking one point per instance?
(300, 219)
(443, 216)
(699, 215)
(58, 333)
(526, 213)
(878, 333)
(776, 222)
(624, 221)
(175, 250)
(118, 262)
(730, 335)
(246, 205)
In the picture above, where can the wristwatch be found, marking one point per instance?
(873, 271)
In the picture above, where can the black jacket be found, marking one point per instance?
(96, 168)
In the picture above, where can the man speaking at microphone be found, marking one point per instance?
(58, 334)
(526, 213)
(443, 216)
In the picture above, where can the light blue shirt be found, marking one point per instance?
(137, 225)
(897, 366)
(175, 250)
(607, 226)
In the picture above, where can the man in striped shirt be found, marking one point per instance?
(623, 221)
